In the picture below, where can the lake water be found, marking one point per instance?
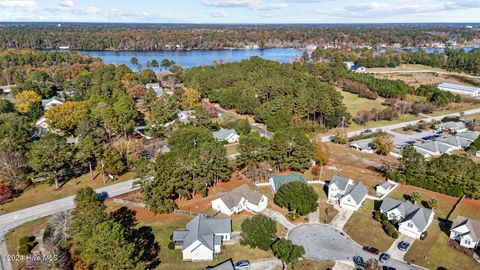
(194, 57)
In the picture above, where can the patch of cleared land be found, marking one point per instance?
(45, 192)
(433, 252)
(355, 104)
(365, 230)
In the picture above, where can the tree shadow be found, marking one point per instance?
(145, 240)
(445, 225)
(125, 216)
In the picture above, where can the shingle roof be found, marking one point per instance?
(365, 144)
(232, 198)
(223, 134)
(357, 191)
(46, 101)
(280, 180)
(418, 215)
(226, 265)
(434, 146)
(452, 125)
(386, 185)
(459, 87)
(453, 141)
(469, 135)
(203, 229)
(472, 225)
(340, 182)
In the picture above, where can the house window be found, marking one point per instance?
(467, 242)
(410, 225)
(392, 215)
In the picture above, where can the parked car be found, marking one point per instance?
(388, 268)
(359, 261)
(403, 246)
(242, 265)
(385, 257)
(367, 131)
(372, 250)
(418, 130)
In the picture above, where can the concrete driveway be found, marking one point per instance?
(325, 243)
(278, 217)
(397, 253)
(265, 265)
(342, 217)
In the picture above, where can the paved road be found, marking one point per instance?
(389, 128)
(325, 243)
(15, 219)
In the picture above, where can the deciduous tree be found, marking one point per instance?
(24, 99)
(298, 197)
(258, 231)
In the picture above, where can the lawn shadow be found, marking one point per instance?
(445, 226)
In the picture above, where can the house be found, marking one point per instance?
(455, 127)
(239, 199)
(349, 65)
(412, 219)
(345, 192)
(226, 265)
(52, 102)
(185, 116)
(434, 148)
(156, 87)
(460, 89)
(202, 237)
(454, 141)
(469, 135)
(41, 127)
(383, 188)
(228, 135)
(364, 145)
(277, 181)
(358, 69)
(466, 231)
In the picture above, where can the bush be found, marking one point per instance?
(390, 230)
(47, 232)
(24, 250)
(394, 222)
(171, 245)
(424, 235)
(293, 216)
(384, 216)
(384, 222)
(24, 241)
(377, 216)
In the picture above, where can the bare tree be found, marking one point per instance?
(373, 264)
(12, 168)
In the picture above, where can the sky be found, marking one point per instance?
(241, 11)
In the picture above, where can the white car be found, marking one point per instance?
(242, 265)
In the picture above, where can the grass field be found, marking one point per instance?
(365, 230)
(355, 104)
(45, 192)
(433, 252)
(310, 265)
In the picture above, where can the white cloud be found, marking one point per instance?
(68, 4)
(250, 4)
(19, 5)
(217, 13)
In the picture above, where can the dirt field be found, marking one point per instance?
(417, 79)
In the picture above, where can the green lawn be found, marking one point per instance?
(365, 230)
(310, 265)
(231, 149)
(355, 104)
(433, 252)
(45, 192)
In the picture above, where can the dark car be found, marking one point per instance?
(372, 250)
(242, 265)
(388, 268)
(385, 257)
(367, 131)
(359, 261)
(403, 246)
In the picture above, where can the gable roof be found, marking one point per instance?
(223, 134)
(204, 230)
(233, 198)
(434, 147)
(156, 87)
(472, 225)
(452, 125)
(340, 181)
(280, 180)
(469, 135)
(454, 141)
(54, 98)
(385, 185)
(418, 215)
(357, 191)
(226, 265)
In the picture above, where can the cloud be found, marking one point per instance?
(217, 13)
(19, 5)
(250, 4)
(68, 4)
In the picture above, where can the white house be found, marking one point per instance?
(345, 192)
(412, 219)
(156, 87)
(452, 126)
(349, 65)
(466, 231)
(228, 135)
(52, 102)
(383, 188)
(364, 145)
(203, 237)
(460, 89)
(434, 148)
(185, 116)
(239, 199)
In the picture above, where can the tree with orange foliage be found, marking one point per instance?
(67, 116)
(137, 91)
(190, 99)
(24, 99)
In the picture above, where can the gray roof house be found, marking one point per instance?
(227, 135)
(466, 231)
(239, 199)
(434, 148)
(452, 126)
(383, 188)
(469, 135)
(412, 219)
(185, 116)
(460, 89)
(51, 102)
(364, 145)
(226, 265)
(348, 194)
(156, 87)
(203, 237)
(455, 141)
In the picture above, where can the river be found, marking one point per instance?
(192, 58)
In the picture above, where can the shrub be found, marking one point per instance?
(384, 222)
(424, 235)
(384, 216)
(293, 216)
(24, 241)
(377, 216)
(47, 232)
(390, 230)
(23, 250)
(171, 245)
(394, 222)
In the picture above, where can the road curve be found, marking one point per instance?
(326, 243)
(17, 218)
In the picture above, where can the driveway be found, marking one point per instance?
(397, 253)
(278, 217)
(265, 265)
(342, 217)
(325, 243)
